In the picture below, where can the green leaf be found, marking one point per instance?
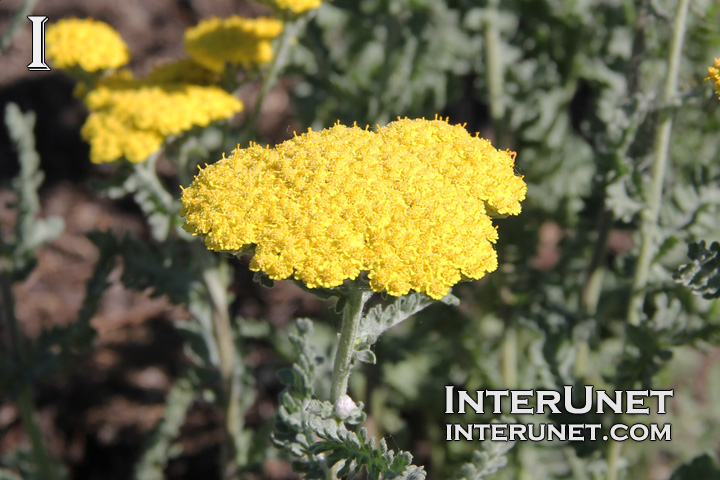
(702, 274)
(311, 431)
(365, 355)
(619, 199)
(262, 278)
(58, 344)
(378, 319)
(286, 376)
(31, 233)
(163, 269)
(491, 457)
(158, 449)
(702, 466)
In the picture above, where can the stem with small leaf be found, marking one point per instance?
(213, 279)
(277, 63)
(351, 315)
(650, 215)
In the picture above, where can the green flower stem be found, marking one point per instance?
(352, 313)
(147, 173)
(162, 214)
(650, 215)
(494, 76)
(213, 276)
(221, 319)
(13, 339)
(495, 73)
(40, 453)
(217, 293)
(278, 62)
(614, 450)
(16, 23)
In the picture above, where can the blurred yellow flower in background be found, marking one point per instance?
(111, 139)
(246, 41)
(410, 204)
(295, 6)
(714, 75)
(132, 117)
(85, 43)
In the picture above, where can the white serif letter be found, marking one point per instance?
(38, 42)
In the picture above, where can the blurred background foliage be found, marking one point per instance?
(576, 89)
(579, 101)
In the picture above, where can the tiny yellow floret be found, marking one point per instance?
(236, 40)
(85, 43)
(410, 205)
(714, 75)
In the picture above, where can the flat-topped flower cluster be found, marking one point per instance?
(410, 204)
(246, 41)
(90, 45)
(131, 118)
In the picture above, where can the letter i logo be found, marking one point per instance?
(38, 43)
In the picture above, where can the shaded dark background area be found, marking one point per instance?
(97, 414)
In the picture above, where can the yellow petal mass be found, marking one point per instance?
(247, 41)
(410, 204)
(131, 118)
(85, 43)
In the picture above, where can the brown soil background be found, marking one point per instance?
(96, 416)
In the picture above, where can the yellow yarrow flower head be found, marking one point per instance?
(295, 6)
(714, 75)
(410, 205)
(88, 44)
(247, 41)
(131, 118)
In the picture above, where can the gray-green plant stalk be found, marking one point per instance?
(651, 213)
(18, 19)
(495, 72)
(351, 315)
(30, 234)
(279, 60)
(213, 278)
